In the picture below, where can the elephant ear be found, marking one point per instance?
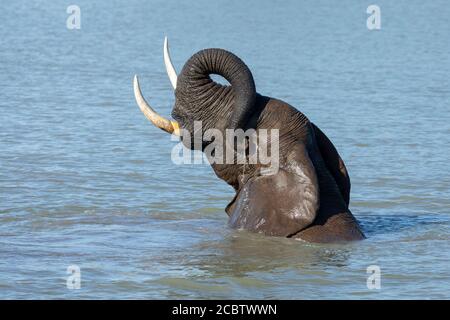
(334, 163)
(281, 204)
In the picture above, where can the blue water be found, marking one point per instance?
(85, 180)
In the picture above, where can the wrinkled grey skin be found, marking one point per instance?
(309, 196)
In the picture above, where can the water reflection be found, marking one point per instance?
(378, 225)
(240, 252)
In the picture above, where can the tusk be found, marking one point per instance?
(161, 122)
(169, 66)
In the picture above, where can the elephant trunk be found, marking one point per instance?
(201, 98)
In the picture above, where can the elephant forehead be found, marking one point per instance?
(278, 111)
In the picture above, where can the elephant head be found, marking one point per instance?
(307, 197)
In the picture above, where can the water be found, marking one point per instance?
(85, 180)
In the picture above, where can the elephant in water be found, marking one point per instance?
(307, 197)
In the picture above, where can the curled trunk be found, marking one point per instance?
(199, 98)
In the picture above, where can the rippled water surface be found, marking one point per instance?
(85, 180)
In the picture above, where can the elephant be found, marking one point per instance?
(307, 198)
